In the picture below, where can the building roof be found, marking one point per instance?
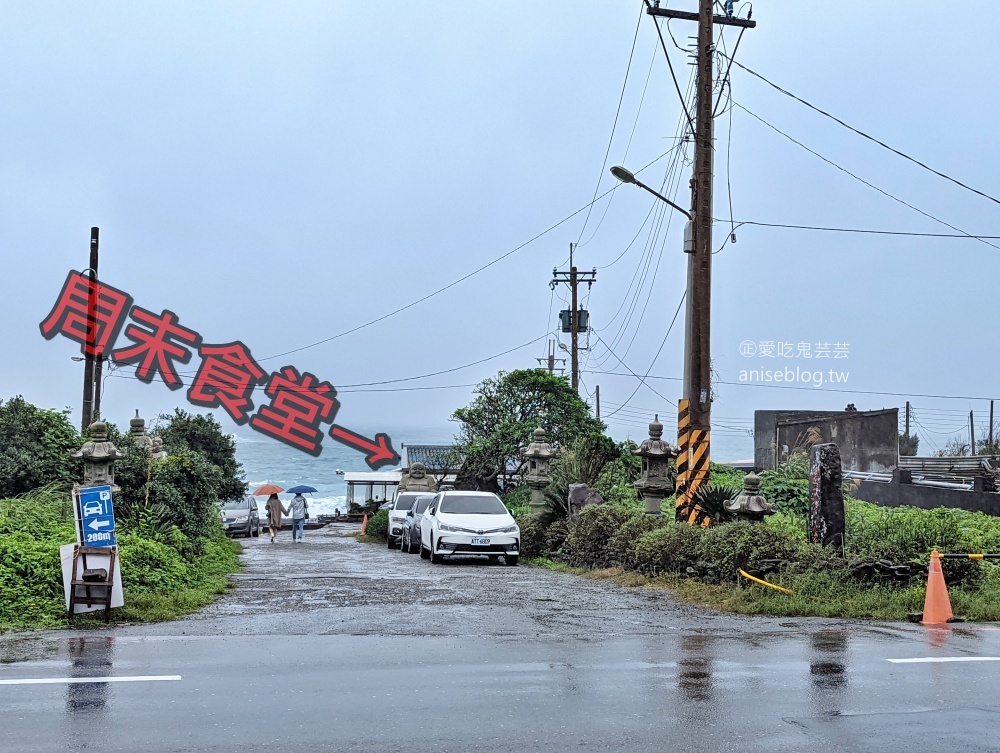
(377, 477)
(435, 457)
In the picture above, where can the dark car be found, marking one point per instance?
(410, 537)
(240, 516)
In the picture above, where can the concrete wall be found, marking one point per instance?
(868, 440)
(927, 497)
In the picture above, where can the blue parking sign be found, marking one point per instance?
(97, 516)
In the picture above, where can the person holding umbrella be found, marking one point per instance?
(273, 507)
(300, 511)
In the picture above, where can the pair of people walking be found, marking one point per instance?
(299, 509)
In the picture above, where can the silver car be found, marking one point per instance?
(240, 517)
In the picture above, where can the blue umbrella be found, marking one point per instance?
(300, 490)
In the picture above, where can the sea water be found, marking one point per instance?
(268, 461)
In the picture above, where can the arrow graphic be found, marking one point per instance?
(97, 525)
(378, 452)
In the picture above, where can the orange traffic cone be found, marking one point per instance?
(364, 528)
(937, 605)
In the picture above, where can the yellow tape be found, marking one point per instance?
(975, 556)
(748, 576)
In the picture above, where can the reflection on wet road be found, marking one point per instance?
(335, 645)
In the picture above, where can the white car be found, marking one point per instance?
(397, 516)
(468, 523)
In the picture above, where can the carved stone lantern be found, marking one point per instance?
(137, 428)
(157, 449)
(99, 456)
(655, 483)
(537, 455)
(750, 505)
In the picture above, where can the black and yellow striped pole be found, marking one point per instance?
(693, 453)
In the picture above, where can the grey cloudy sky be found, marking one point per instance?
(281, 173)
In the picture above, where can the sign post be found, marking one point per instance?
(95, 516)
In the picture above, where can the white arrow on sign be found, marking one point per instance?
(97, 525)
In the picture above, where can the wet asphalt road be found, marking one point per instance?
(333, 645)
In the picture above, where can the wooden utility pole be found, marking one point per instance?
(695, 408)
(89, 371)
(573, 278)
(907, 418)
(597, 394)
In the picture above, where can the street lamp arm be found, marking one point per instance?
(663, 198)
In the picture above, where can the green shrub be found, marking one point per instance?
(621, 545)
(555, 535)
(378, 525)
(789, 495)
(149, 566)
(532, 534)
(518, 497)
(733, 546)
(35, 446)
(672, 548)
(590, 534)
(712, 498)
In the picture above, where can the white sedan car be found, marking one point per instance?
(468, 523)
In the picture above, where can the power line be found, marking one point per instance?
(863, 231)
(666, 54)
(809, 389)
(865, 135)
(614, 126)
(860, 179)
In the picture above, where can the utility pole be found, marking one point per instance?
(597, 394)
(575, 321)
(907, 418)
(990, 431)
(549, 362)
(89, 371)
(694, 417)
(972, 435)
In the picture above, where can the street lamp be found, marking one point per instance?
(627, 176)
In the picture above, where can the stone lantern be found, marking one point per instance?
(99, 456)
(537, 455)
(137, 428)
(157, 449)
(654, 483)
(750, 505)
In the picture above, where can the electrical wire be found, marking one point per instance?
(614, 126)
(867, 136)
(673, 75)
(864, 231)
(860, 179)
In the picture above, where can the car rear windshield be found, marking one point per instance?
(462, 505)
(235, 504)
(422, 503)
(405, 501)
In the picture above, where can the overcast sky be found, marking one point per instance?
(280, 173)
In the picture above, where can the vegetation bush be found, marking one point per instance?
(671, 548)
(732, 546)
(532, 534)
(378, 525)
(517, 497)
(173, 553)
(622, 543)
(616, 482)
(555, 535)
(35, 447)
(590, 535)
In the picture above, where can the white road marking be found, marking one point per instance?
(937, 659)
(74, 680)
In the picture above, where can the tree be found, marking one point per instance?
(506, 410)
(908, 444)
(35, 447)
(203, 434)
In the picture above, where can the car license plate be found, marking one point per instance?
(480, 541)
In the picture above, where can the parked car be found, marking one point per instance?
(410, 537)
(240, 516)
(461, 523)
(397, 516)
